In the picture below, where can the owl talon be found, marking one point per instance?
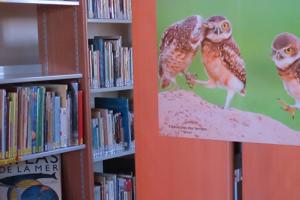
(191, 79)
(288, 108)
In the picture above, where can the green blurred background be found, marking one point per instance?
(255, 24)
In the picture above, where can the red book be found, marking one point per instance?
(80, 117)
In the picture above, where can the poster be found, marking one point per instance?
(229, 70)
(33, 179)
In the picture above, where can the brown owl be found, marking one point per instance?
(179, 45)
(286, 55)
(221, 57)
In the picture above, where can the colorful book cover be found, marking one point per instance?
(34, 179)
(221, 80)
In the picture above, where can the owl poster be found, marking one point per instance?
(229, 70)
(33, 179)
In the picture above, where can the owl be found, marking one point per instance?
(180, 43)
(286, 56)
(222, 60)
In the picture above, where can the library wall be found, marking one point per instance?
(271, 172)
(170, 168)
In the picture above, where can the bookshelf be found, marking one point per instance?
(109, 29)
(40, 44)
(49, 45)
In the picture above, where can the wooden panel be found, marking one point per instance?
(57, 32)
(64, 29)
(169, 168)
(271, 172)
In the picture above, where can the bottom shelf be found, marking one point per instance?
(117, 154)
(43, 154)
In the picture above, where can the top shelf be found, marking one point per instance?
(44, 2)
(109, 21)
(31, 73)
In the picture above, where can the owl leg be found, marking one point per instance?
(207, 84)
(230, 95)
(174, 85)
(190, 78)
(288, 108)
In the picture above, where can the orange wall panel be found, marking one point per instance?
(271, 172)
(170, 168)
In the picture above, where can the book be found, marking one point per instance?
(118, 105)
(80, 117)
(39, 118)
(34, 179)
(114, 186)
(109, 9)
(110, 64)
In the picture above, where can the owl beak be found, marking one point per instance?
(217, 31)
(279, 56)
(205, 24)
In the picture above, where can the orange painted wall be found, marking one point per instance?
(271, 172)
(170, 168)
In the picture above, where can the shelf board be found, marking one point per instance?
(31, 73)
(43, 154)
(45, 2)
(110, 21)
(54, 152)
(117, 155)
(111, 89)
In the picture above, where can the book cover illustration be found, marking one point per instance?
(220, 79)
(34, 179)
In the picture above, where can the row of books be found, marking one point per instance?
(114, 187)
(38, 118)
(109, 9)
(111, 126)
(110, 64)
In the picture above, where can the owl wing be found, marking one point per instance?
(168, 37)
(297, 71)
(234, 62)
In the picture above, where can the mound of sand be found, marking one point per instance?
(184, 114)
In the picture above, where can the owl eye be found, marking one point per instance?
(225, 26)
(288, 51)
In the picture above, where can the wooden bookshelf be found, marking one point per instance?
(90, 29)
(57, 36)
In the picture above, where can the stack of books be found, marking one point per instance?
(110, 64)
(39, 118)
(111, 127)
(112, 186)
(109, 9)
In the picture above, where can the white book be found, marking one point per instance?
(63, 127)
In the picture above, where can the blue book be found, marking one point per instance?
(56, 135)
(99, 45)
(33, 108)
(118, 105)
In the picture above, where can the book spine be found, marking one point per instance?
(63, 127)
(3, 128)
(74, 113)
(57, 122)
(80, 117)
